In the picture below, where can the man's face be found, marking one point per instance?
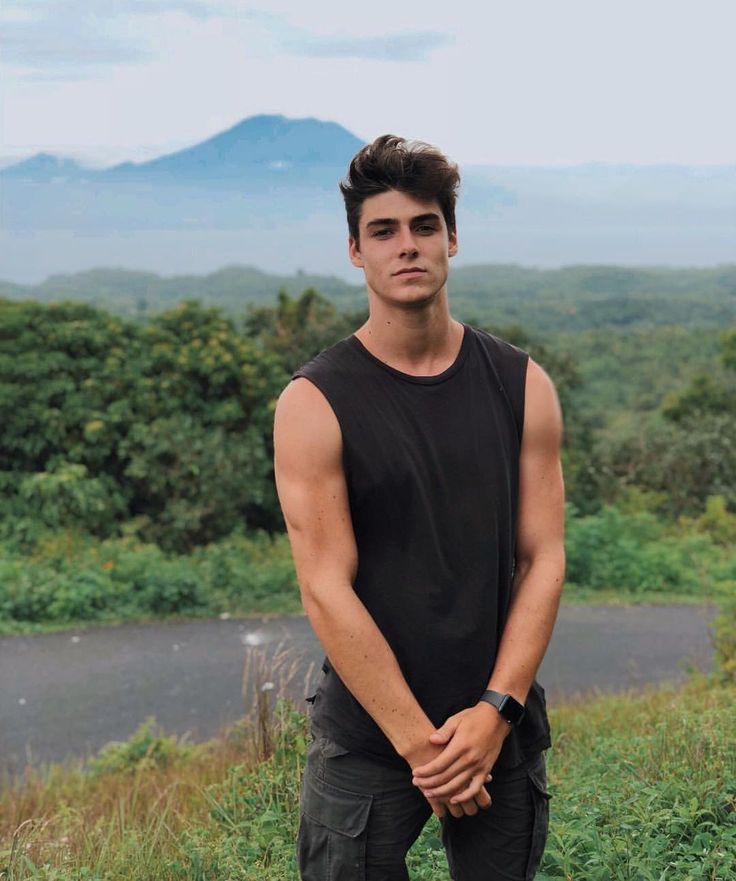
(404, 247)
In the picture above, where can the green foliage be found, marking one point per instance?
(158, 436)
(254, 812)
(706, 393)
(105, 420)
(728, 342)
(716, 521)
(723, 631)
(637, 553)
(685, 463)
(147, 748)
(643, 788)
(543, 300)
(66, 493)
(69, 577)
(298, 328)
(253, 573)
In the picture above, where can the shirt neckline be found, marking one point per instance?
(410, 377)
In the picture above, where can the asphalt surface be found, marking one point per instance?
(67, 694)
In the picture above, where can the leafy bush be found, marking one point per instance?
(638, 553)
(71, 577)
(106, 419)
(147, 748)
(254, 812)
(724, 634)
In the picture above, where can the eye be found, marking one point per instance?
(426, 228)
(381, 233)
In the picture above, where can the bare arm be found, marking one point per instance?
(474, 736)
(313, 495)
(540, 550)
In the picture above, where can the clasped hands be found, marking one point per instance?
(453, 780)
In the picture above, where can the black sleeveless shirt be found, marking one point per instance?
(432, 470)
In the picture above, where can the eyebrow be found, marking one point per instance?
(392, 221)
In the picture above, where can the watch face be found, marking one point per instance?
(511, 709)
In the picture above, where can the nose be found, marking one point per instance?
(407, 244)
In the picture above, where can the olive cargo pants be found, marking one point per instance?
(359, 817)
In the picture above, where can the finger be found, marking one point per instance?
(438, 807)
(444, 733)
(429, 778)
(474, 788)
(455, 810)
(442, 763)
(483, 799)
(470, 808)
(454, 787)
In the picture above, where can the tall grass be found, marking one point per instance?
(643, 789)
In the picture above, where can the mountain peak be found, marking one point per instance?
(43, 166)
(265, 140)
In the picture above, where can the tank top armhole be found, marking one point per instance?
(510, 365)
(313, 376)
(519, 401)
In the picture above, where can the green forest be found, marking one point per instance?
(137, 477)
(136, 449)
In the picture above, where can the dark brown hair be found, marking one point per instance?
(394, 163)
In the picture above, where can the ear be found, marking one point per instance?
(452, 244)
(354, 253)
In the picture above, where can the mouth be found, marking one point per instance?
(412, 271)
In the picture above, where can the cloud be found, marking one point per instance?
(393, 47)
(72, 39)
(408, 46)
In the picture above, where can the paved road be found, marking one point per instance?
(69, 693)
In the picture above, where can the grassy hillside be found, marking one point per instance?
(643, 787)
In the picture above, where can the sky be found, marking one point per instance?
(516, 82)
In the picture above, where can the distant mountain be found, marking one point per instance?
(261, 146)
(129, 292)
(265, 192)
(259, 149)
(43, 167)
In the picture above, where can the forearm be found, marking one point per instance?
(532, 614)
(366, 664)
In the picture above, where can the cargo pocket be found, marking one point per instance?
(331, 842)
(540, 798)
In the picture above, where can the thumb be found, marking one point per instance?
(443, 734)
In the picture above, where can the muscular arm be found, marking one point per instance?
(540, 553)
(312, 490)
(474, 737)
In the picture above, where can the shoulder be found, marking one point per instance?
(542, 413)
(303, 418)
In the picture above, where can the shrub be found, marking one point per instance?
(638, 553)
(147, 748)
(724, 635)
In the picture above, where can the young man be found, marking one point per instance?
(418, 469)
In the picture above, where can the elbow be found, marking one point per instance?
(321, 600)
(545, 567)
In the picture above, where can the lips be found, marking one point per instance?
(415, 270)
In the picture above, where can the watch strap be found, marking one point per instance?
(511, 710)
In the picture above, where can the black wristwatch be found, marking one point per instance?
(507, 706)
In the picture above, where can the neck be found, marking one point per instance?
(421, 339)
